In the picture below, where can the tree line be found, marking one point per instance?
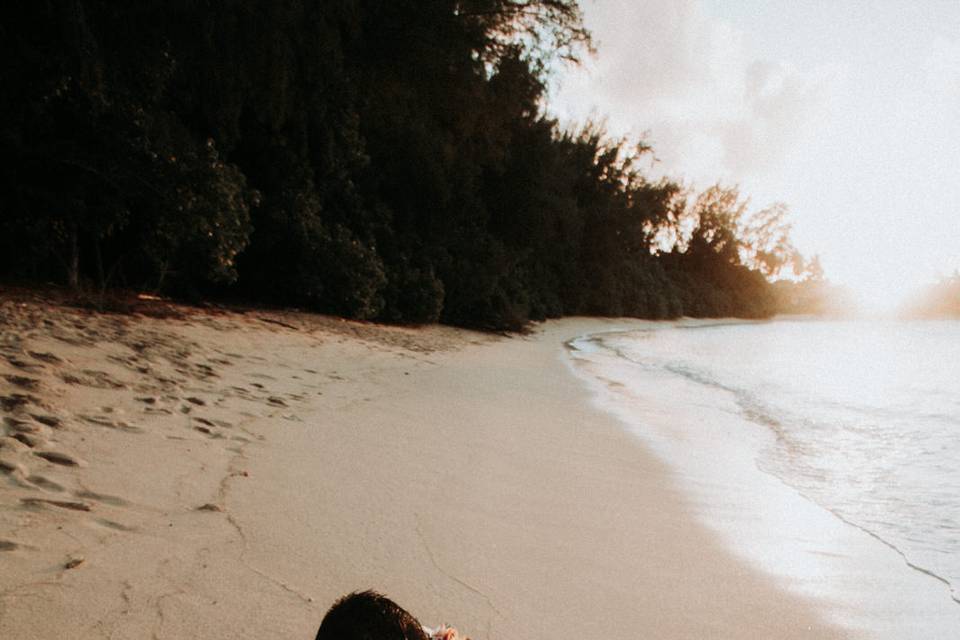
(377, 159)
(939, 299)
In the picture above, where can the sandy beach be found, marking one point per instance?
(230, 474)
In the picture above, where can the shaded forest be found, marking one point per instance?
(386, 160)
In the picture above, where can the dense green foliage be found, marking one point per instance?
(377, 159)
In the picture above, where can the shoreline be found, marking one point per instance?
(811, 548)
(235, 475)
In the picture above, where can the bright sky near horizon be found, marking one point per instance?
(845, 110)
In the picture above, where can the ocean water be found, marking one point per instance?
(857, 422)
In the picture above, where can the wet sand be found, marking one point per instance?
(232, 474)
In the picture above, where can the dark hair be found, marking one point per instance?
(368, 615)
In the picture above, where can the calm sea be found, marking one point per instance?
(861, 419)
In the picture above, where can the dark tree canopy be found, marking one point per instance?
(379, 160)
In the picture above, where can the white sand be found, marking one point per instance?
(234, 476)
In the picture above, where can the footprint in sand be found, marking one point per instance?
(51, 421)
(206, 371)
(116, 526)
(101, 421)
(129, 428)
(44, 356)
(63, 504)
(102, 497)
(9, 467)
(23, 365)
(277, 402)
(197, 401)
(103, 380)
(31, 441)
(57, 457)
(16, 401)
(69, 378)
(104, 421)
(20, 425)
(23, 382)
(46, 483)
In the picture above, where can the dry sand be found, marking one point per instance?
(230, 475)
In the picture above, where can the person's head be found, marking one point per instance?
(369, 616)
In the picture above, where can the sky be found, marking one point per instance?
(847, 111)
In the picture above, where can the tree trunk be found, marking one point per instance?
(73, 260)
(101, 276)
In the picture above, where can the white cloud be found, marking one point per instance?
(690, 82)
(846, 112)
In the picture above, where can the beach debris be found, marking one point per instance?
(286, 325)
(443, 632)
(210, 507)
(73, 563)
